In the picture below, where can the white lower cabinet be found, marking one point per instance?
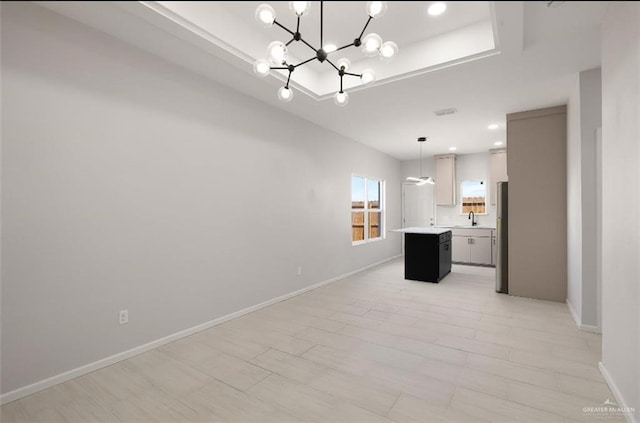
(460, 249)
(480, 250)
(471, 248)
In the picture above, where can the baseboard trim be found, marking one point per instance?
(573, 313)
(88, 368)
(631, 417)
(589, 328)
(581, 326)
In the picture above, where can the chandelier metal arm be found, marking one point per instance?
(343, 47)
(306, 61)
(421, 160)
(334, 66)
(288, 79)
(285, 28)
(296, 35)
(342, 72)
(308, 45)
(365, 27)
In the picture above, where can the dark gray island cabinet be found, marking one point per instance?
(427, 253)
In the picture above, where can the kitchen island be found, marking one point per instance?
(427, 253)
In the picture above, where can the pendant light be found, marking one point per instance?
(422, 179)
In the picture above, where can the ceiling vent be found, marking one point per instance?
(443, 112)
(553, 4)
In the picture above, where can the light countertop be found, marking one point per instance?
(467, 227)
(419, 230)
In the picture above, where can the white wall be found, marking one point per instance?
(584, 117)
(130, 183)
(590, 121)
(574, 206)
(621, 201)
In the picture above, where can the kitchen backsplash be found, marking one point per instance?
(451, 216)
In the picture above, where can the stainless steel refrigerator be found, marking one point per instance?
(502, 238)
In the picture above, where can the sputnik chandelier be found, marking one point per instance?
(277, 52)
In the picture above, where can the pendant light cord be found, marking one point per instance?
(421, 160)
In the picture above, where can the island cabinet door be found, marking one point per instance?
(421, 257)
(445, 259)
(460, 249)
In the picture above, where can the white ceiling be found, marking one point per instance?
(538, 52)
(463, 33)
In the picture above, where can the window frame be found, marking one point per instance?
(366, 209)
(486, 197)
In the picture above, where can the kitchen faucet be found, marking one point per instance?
(472, 216)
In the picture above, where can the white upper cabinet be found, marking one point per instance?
(445, 180)
(498, 171)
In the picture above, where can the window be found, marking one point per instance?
(474, 197)
(367, 199)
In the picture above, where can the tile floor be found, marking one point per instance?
(370, 348)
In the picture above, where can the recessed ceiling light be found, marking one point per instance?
(498, 143)
(493, 126)
(437, 8)
(452, 149)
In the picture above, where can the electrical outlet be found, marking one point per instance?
(124, 317)
(299, 270)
